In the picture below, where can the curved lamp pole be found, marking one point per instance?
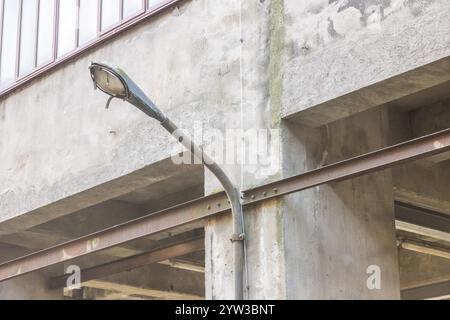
(115, 82)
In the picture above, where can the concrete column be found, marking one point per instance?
(252, 112)
(334, 233)
(318, 243)
(265, 254)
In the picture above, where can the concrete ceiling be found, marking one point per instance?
(423, 98)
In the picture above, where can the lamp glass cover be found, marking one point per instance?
(108, 82)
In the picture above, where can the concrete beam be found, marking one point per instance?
(88, 293)
(199, 209)
(134, 262)
(160, 278)
(329, 71)
(76, 225)
(373, 95)
(11, 251)
(12, 222)
(436, 291)
(420, 269)
(124, 290)
(185, 265)
(430, 119)
(409, 186)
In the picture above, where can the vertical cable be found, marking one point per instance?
(241, 87)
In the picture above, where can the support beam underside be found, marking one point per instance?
(218, 203)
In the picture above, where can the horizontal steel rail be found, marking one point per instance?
(122, 233)
(370, 162)
(133, 262)
(216, 204)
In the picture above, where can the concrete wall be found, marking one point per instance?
(241, 64)
(56, 134)
(58, 140)
(335, 47)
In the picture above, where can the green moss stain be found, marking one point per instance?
(276, 73)
(276, 50)
(280, 224)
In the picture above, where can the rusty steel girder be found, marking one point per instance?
(218, 203)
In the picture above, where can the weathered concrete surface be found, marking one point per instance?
(336, 47)
(57, 138)
(430, 119)
(317, 244)
(333, 233)
(260, 109)
(29, 287)
(330, 235)
(11, 251)
(238, 65)
(265, 254)
(160, 278)
(411, 188)
(156, 177)
(418, 269)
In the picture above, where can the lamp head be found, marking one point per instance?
(108, 80)
(116, 83)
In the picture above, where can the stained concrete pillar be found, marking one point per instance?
(265, 254)
(319, 243)
(336, 233)
(251, 27)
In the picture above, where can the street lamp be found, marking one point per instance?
(115, 82)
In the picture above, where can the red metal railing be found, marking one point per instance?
(56, 61)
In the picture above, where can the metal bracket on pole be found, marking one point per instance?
(237, 237)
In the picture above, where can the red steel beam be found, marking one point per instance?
(122, 233)
(133, 262)
(218, 203)
(370, 162)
